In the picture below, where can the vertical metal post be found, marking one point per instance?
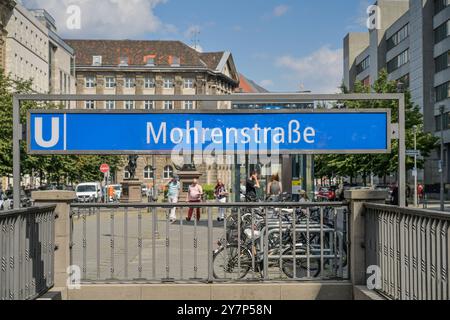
(17, 137)
(442, 109)
(402, 153)
(416, 172)
(125, 243)
(210, 250)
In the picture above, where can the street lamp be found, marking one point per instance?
(441, 162)
(416, 198)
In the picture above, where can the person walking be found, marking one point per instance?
(221, 194)
(194, 195)
(274, 188)
(251, 185)
(173, 195)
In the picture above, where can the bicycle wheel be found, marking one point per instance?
(226, 263)
(301, 265)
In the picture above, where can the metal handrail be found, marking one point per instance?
(409, 211)
(27, 245)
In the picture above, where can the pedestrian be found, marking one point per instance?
(173, 194)
(274, 188)
(194, 195)
(251, 185)
(220, 192)
(111, 194)
(420, 192)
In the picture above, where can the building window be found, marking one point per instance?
(110, 105)
(168, 105)
(110, 82)
(129, 82)
(175, 61)
(149, 105)
(189, 105)
(150, 61)
(168, 172)
(441, 32)
(149, 82)
(404, 81)
(363, 65)
(168, 83)
(398, 61)
(398, 37)
(442, 62)
(126, 173)
(440, 5)
(148, 172)
(189, 83)
(123, 62)
(442, 92)
(129, 105)
(97, 61)
(89, 82)
(90, 104)
(446, 122)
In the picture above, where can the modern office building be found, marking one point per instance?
(412, 43)
(109, 67)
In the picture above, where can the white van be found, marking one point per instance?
(89, 192)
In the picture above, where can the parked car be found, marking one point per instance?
(25, 201)
(327, 193)
(89, 192)
(5, 202)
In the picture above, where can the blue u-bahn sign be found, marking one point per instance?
(162, 132)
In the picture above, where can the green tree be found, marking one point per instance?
(55, 168)
(381, 165)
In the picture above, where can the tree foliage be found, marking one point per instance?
(384, 164)
(53, 168)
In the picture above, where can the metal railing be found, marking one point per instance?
(412, 248)
(138, 243)
(27, 238)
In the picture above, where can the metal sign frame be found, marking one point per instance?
(213, 112)
(266, 98)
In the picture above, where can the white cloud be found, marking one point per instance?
(106, 18)
(320, 72)
(266, 83)
(280, 10)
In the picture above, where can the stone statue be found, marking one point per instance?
(132, 166)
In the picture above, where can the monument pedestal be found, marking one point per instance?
(131, 191)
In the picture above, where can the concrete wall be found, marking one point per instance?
(233, 292)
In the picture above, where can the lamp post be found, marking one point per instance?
(441, 162)
(416, 198)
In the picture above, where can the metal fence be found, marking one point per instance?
(412, 248)
(27, 252)
(259, 241)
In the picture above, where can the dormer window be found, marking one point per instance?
(96, 61)
(123, 62)
(150, 60)
(175, 61)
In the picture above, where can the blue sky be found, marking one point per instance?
(286, 45)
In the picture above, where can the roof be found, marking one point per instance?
(136, 51)
(249, 86)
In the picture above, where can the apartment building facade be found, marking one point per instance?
(412, 43)
(30, 48)
(109, 67)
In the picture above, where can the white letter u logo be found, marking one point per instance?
(39, 136)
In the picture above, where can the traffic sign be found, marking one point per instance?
(104, 168)
(413, 153)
